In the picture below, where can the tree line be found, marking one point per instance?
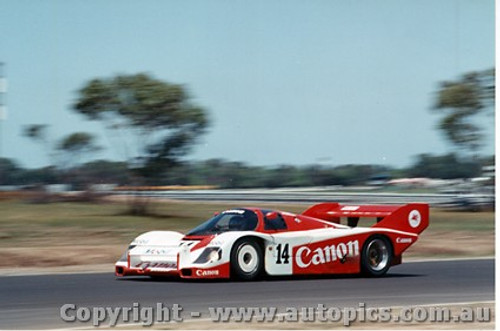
(154, 124)
(228, 174)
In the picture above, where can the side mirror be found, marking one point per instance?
(272, 215)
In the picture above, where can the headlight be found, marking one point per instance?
(213, 256)
(210, 254)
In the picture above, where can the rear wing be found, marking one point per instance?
(413, 217)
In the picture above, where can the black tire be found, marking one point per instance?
(376, 256)
(247, 260)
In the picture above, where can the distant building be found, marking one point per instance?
(379, 180)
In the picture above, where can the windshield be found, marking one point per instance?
(229, 220)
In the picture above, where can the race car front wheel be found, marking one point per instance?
(246, 259)
(376, 256)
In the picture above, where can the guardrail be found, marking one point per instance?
(306, 197)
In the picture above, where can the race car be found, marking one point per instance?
(247, 243)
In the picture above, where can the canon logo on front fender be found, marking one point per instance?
(400, 240)
(203, 273)
(331, 253)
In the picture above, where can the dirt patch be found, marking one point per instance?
(42, 257)
(452, 244)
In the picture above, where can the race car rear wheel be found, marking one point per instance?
(376, 256)
(246, 259)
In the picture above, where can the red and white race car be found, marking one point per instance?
(249, 242)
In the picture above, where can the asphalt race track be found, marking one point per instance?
(34, 301)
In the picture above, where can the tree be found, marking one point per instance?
(105, 172)
(39, 134)
(460, 101)
(10, 170)
(36, 132)
(75, 146)
(444, 166)
(157, 116)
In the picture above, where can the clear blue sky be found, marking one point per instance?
(286, 82)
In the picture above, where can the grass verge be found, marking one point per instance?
(66, 234)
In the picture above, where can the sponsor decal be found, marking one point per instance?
(234, 211)
(148, 265)
(414, 218)
(404, 240)
(349, 208)
(201, 273)
(327, 254)
(156, 251)
(283, 255)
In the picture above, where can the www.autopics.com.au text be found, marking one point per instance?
(160, 313)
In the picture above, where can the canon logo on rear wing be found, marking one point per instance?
(331, 253)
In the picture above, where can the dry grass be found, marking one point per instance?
(63, 234)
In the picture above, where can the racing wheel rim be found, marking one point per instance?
(248, 258)
(377, 254)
